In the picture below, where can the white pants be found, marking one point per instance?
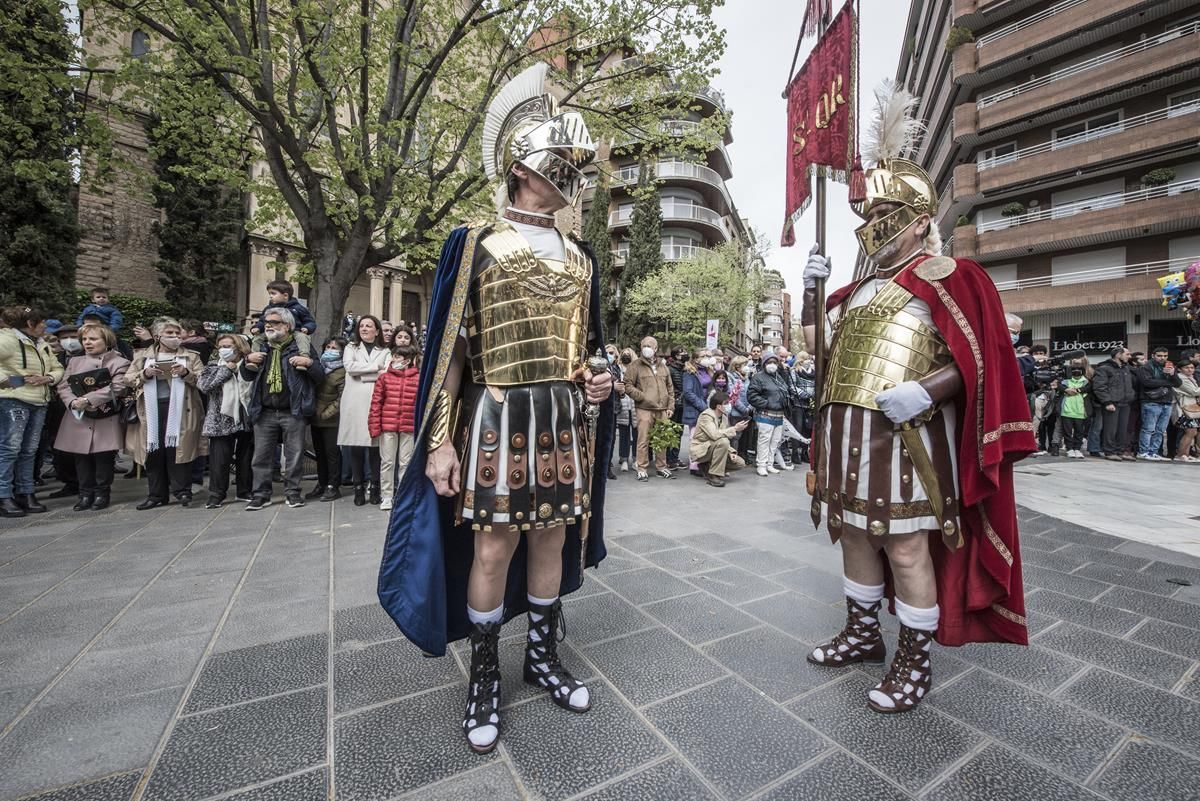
(685, 446)
(395, 452)
(769, 438)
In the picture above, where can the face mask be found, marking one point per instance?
(399, 364)
(772, 367)
(647, 353)
(612, 357)
(707, 361)
(722, 385)
(727, 408)
(806, 366)
(226, 354)
(70, 345)
(1016, 338)
(330, 356)
(172, 343)
(747, 370)
(626, 359)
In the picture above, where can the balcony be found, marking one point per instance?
(1129, 138)
(669, 253)
(1167, 58)
(685, 128)
(693, 216)
(1133, 283)
(1096, 221)
(678, 171)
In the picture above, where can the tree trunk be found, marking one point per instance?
(333, 281)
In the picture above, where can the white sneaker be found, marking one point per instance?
(786, 466)
(1145, 456)
(762, 471)
(386, 506)
(772, 468)
(624, 465)
(1038, 453)
(1155, 457)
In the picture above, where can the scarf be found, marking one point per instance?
(275, 374)
(235, 397)
(174, 409)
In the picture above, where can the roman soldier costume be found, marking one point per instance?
(523, 299)
(937, 322)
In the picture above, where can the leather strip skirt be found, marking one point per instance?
(524, 457)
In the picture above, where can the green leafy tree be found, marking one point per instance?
(39, 119)
(369, 115)
(595, 233)
(645, 247)
(681, 297)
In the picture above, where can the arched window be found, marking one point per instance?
(139, 44)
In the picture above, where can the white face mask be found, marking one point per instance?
(727, 408)
(170, 343)
(772, 368)
(1015, 338)
(226, 354)
(71, 345)
(747, 370)
(648, 353)
(708, 361)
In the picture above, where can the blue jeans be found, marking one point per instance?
(1093, 434)
(1155, 417)
(20, 431)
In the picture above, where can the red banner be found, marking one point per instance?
(821, 115)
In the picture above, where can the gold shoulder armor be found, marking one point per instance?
(936, 268)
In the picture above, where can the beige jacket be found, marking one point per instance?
(191, 443)
(19, 355)
(708, 430)
(650, 390)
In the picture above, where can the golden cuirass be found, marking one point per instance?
(529, 316)
(878, 346)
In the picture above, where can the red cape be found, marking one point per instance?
(980, 591)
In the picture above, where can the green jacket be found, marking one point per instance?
(329, 399)
(19, 355)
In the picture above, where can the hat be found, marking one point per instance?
(769, 356)
(53, 326)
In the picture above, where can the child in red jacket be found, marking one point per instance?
(393, 408)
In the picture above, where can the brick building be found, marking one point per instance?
(1064, 143)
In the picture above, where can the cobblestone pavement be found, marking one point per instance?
(187, 654)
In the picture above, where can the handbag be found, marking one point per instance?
(129, 412)
(81, 384)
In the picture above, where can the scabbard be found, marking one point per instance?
(910, 436)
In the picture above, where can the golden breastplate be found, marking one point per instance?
(878, 346)
(529, 316)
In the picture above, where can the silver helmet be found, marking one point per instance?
(524, 125)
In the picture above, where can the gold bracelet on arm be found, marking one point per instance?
(445, 412)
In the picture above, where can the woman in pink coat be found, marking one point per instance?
(91, 429)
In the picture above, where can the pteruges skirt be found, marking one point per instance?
(525, 457)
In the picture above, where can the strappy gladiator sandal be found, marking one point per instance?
(859, 641)
(910, 678)
(483, 690)
(542, 666)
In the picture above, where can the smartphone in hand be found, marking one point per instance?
(15, 381)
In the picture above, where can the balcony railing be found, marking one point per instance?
(1021, 25)
(669, 252)
(1120, 126)
(672, 169)
(1091, 204)
(676, 211)
(1091, 64)
(1099, 274)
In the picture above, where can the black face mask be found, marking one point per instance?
(626, 360)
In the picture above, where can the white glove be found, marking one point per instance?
(904, 401)
(818, 267)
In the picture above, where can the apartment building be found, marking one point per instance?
(697, 209)
(775, 321)
(1064, 138)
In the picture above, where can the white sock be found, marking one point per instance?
(533, 599)
(479, 618)
(916, 618)
(863, 594)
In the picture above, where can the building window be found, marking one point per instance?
(139, 44)
(1087, 130)
(1183, 103)
(1000, 154)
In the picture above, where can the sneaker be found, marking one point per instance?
(1155, 457)
(1114, 458)
(246, 498)
(772, 468)
(762, 471)
(786, 466)
(258, 503)
(624, 465)
(294, 501)
(1038, 453)
(665, 474)
(386, 506)
(1145, 457)
(643, 475)
(1128, 457)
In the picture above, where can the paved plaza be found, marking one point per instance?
(183, 654)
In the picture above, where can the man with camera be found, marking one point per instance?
(1112, 389)
(1156, 381)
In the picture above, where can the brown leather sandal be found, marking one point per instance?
(868, 645)
(910, 678)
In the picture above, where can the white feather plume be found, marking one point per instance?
(893, 132)
(529, 84)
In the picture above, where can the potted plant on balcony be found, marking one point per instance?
(1158, 177)
(961, 221)
(957, 37)
(1014, 209)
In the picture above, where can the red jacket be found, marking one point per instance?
(394, 401)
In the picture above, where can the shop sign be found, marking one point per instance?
(1092, 339)
(1174, 335)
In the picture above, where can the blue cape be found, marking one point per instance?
(427, 558)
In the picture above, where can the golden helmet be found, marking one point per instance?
(898, 180)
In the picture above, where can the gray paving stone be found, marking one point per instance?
(493, 782)
(799, 616)
(1168, 609)
(1105, 557)
(1172, 569)
(772, 662)
(837, 777)
(761, 562)
(1150, 772)
(1073, 585)
(278, 618)
(310, 786)
(1036, 668)
(616, 562)
(389, 750)
(258, 741)
(1079, 535)
(911, 748)
(756, 743)
(700, 617)
(734, 585)
(685, 561)
(666, 781)
(384, 671)
(130, 671)
(647, 584)
(259, 671)
(1042, 728)
(1061, 560)
(997, 773)
(1154, 713)
(813, 582)
(601, 617)
(1120, 656)
(1169, 637)
(651, 665)
(1034, 542)
(646, 542)
(110, 788)
(558, 754)
(1126, 577)
(1096, 615)
(711, 542)
(363, 624)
